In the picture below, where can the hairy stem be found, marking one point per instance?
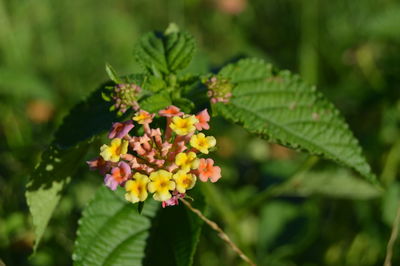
(392, 239)
(221, 233)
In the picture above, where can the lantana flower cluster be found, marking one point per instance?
(219, 89)
(125, 96)
(165, 163)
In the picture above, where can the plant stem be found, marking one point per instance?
(221, 233)
(392, 239)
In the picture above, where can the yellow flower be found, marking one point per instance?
(115, 150)
(143, 117)
(137, 189)
(183, 126)
(184, 181)
(187, 161)
(202, 143)
(161, 184)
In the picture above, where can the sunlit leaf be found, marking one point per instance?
(44, 189)
(284, 109)
(165, 53)
(112, 232)
(87, 119)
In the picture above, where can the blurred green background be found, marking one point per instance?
(281, 207)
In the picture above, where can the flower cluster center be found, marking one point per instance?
(165, 162)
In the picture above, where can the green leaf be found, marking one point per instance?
(165, 53)
(87, 119)
(284, 109)
(111, 232)
(112, 74)
(336, 184)
(184, 104)
(155, 102)
(65, 154)
(47, 182)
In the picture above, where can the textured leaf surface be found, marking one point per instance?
(60, 161)
(47, 182)
(335, 184)
(155, 102)
(286, 110)
(165, 53)
(112, 232)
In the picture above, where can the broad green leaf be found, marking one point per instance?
(62, 158)
(47, 182)
(155, 102)
(112, 232)
(336, 184)
(87, 119)
(284, 109)
(165, 53)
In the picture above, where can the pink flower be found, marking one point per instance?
(207, 171)
(170, 111)
(118, 175)
(99, 164)
(158, 155)
(203, 118)
(120, 130)
(174, 200)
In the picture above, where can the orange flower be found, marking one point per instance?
(170, 111)
(143, 117)
(207, 170)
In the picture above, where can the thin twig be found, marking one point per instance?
(221, 233)
(393, 236)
